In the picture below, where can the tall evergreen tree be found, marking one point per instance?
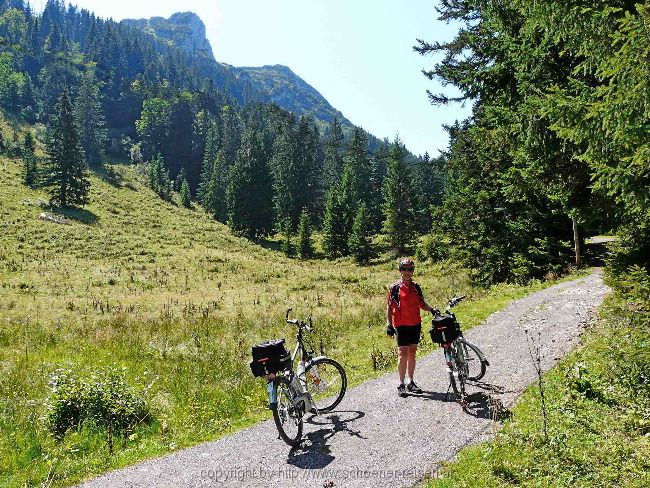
(249, 191)
(159, 180)
(305, 249)
(398, 204)
(185, 194)
(285, 181)
(359, 241)
(333, 149)
(89, 115)
(335, 226)
(66, 170)
(30, 170)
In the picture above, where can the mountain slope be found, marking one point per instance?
(287, 90)
(270, 84)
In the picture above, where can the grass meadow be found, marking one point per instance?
(172, 300)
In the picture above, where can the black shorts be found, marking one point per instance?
(408, 334)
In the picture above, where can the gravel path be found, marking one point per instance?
(377, 439)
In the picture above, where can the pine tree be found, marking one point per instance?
(89, 115)
(249, 191)
(214, 199)
(359, 242)
(159, 180)
(305, 249)
(398, 207)
(287, 247)
(333, 163)
(285, 179)
(66, 170)
(185, 194)
(30, 171)
(335, 229)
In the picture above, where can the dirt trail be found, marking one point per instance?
(377, 439)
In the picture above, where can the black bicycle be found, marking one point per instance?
(317, 385)
(465, 361)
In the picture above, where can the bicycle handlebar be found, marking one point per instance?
(456, 300)
(301, 325)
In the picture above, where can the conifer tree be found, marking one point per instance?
(249, 191)
(185, 194)
(359, 242)
(287, 247)
(398, 206)
(30, 170)
(89, 115)
(159, 180)
(335, 229)
(285, 180)
(333, 148)
(66, 174)
(214, 200)
(305, 249)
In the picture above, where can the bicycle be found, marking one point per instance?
(465, 361)
(317, 385)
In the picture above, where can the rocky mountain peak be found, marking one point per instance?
(185, 30)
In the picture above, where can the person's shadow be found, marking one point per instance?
(314, 452)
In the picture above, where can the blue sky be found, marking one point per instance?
(356, 53)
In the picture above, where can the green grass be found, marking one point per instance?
(169, 295)
(598, 411)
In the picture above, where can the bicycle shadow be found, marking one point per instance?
(484, 406)
(314, 452)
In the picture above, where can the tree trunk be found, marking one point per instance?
(576, 240)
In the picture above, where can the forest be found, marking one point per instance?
(253, 166)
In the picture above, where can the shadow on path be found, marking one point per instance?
(314, 452)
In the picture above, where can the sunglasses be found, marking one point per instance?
(407, 269)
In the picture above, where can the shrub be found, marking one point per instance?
(104, 399)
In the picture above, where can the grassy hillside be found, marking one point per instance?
(168, 300)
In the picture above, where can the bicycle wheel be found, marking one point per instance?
(286, 414)
(475, 367)
(326, 382)
(456, 376)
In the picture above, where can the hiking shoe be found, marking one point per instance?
(413, 388)
(401, 390)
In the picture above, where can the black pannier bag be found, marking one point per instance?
(444, 328)
(270, 357)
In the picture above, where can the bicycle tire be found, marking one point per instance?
(473, 358)
(456, 376)
(286, 413)
(326, 382)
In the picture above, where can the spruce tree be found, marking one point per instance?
(333, 163)
(287, 247)
(398, 206)
(305, 249)
(159, 180)
(185, 194)
(30, 171)
(359, 242)
(335, 229)
(249, 191)
(66, 174)
(89, 115)
(214, 199)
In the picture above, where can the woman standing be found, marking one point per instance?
(403, 306)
